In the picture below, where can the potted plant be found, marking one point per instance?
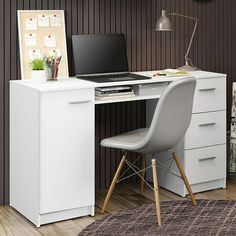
(38, 72)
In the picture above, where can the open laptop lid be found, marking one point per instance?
(99, 54)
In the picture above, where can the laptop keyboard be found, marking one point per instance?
(112, 77)
(102, 76)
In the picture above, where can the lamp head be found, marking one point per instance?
(163, 23)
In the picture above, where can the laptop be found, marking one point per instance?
(102, 58)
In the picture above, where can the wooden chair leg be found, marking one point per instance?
(143, 165)
(181, 171)
(156, 191)
(113, 183)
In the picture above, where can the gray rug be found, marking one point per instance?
(209, 217)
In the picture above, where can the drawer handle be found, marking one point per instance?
(207, 89)
(207, 158)
(79, 102)
(207, 124)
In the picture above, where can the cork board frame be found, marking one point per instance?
(57, 32)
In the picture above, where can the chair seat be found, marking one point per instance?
(126, 141)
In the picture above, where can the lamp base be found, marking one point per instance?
(187, 67)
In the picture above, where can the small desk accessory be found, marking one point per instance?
(170, 72)
(166, 73)
(52, 63)
(164, 24)
(38, 73)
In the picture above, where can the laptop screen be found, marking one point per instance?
(99, 53)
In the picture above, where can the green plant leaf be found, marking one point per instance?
(37, 64)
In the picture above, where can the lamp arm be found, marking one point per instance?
(184, 16)
(194, 30)
(191, 40)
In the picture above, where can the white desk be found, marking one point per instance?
(52, 144)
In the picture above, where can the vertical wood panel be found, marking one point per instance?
(8, 73)
(86, 17)
(139, 36)
(167, 47)
(153, 35)
(172, 41)
(149, 35)
(213, 49)
(158, 51)
(101, 135)
(194, 12)
(2, 184)
(144, 34)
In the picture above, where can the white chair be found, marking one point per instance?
(169, 124)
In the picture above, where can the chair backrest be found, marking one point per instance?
(172, 116)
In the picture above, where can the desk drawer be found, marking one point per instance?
(205, 164)
(210, 95)
(206, 129)
(70, 97)
(150, 89)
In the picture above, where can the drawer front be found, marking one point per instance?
(206, 129)
(205, 164)
(71, 96)
(150, 89)
(210, 95)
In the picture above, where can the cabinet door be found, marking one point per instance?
(66, 150)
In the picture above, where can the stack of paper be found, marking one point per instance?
(167, 73)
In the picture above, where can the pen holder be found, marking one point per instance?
(51, 74)
(52, 63)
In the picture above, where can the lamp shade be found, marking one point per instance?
(163, 23)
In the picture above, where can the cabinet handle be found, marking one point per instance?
(206, 89)
(207, 124)
(207, 158)
(79, 102)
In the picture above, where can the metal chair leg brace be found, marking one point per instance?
(135, 172)
(133, 163)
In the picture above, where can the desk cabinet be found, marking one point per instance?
(202, 152)
(52, 167)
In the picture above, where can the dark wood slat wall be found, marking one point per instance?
(2, 184)
(213, 50)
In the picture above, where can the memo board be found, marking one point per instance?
(42, 32)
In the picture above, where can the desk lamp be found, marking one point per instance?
(164, 24)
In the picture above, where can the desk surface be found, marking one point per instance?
(74, 83)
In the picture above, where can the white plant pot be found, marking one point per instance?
(38, 76)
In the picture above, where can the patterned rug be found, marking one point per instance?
(209, 217)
